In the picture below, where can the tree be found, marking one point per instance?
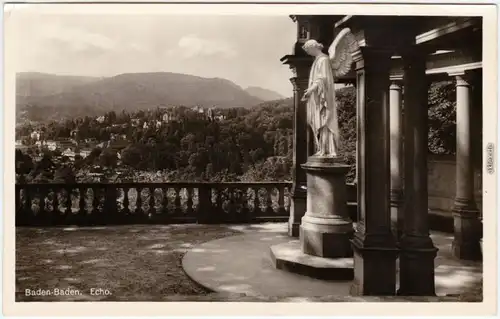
(64, 175)
(108, 158)
(94, 155)
(132, 155)
(24, 163)
(442, 118)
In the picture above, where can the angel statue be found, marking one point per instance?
(320, 94)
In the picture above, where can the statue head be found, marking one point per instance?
(312, 47)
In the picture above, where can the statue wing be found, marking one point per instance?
(340, 52)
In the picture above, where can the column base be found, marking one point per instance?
(468, 233)
(374, 269)
(293, 229)
(416, 266)
(467, 250)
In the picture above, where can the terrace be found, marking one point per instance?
(125, 232)
(145, 263)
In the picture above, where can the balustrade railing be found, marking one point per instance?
(136, 203)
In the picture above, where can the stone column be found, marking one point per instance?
(467, 226)
(417, 251)
(396, 129)
(373, 244)
(300, 147)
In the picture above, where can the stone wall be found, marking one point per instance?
(441, 183)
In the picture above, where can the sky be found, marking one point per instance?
(243, 49)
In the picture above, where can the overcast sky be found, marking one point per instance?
(243, 49)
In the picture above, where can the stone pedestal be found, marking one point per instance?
(326, 228)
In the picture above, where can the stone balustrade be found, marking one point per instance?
(156, 203)
(125, 203)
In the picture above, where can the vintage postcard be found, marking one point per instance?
(250, 159)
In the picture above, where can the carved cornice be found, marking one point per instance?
(414, 51)
(450, 27)
(299, 84)
(457, 69)
(357, 55)
(299, 65)
(370, 56)
(357, 58)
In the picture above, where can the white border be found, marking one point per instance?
(488, 307)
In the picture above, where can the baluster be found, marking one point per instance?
(177, 202)
(152, 208)
(126, 210)
(164, 203)
(256, 202)
(42, 193)
(269, 201)
(138, 209)
(189, 192)
(38, 215)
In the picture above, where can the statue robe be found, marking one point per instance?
(322, 108)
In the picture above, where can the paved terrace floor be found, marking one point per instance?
(242, 264)
(144, 263)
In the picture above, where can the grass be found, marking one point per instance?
(140, 263)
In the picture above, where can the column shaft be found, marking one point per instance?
(465, 174)
(417, 249)
(467, 227)
(396, 129)
(373, 244)
(300, 147)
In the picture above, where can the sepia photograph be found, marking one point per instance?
(260, 153)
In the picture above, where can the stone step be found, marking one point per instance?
(289, 257)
